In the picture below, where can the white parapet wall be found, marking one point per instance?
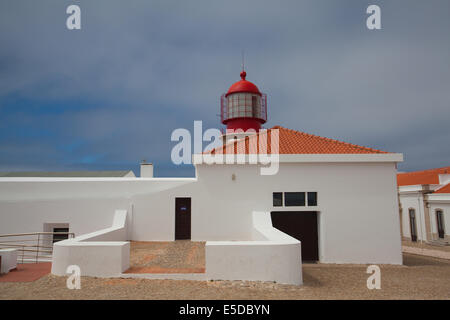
(104, 253)
(9, 260)
(272, 256)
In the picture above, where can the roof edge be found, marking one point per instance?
(301, 158)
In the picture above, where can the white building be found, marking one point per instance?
(425, 205)
(339, 199)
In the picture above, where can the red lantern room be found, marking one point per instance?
(243, 106)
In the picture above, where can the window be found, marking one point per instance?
(62, 236)
(243, 105)
(294, 199)
(278, 199)
(254, 106)
(312, 198)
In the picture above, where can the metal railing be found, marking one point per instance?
(32, 247)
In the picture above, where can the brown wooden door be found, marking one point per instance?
(302, 225)
(182, 218)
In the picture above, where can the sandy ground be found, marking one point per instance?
(159, 257)
(423, 245)
(419, 278)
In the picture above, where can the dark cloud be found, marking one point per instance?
(110, 94)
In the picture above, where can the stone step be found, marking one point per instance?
(439, 243)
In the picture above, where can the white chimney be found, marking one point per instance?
(146, 170)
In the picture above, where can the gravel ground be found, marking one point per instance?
(178, 254)
(423, 245)
(419, 278)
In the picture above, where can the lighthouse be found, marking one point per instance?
(243, 107)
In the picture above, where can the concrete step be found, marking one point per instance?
(439, 243)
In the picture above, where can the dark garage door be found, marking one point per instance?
(302, 225)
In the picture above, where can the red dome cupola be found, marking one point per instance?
(243, 86)
(243, 106)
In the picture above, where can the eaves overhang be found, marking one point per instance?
(296, 158)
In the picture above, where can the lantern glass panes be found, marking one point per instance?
(245, 105)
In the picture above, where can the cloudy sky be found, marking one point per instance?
(108, 95)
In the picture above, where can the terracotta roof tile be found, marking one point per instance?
(295, 142)
(444, 189)
(430, 176)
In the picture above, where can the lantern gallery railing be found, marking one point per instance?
(33, 247)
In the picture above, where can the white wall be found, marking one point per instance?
(8, 260)
(444, 179)
(275, 256)
(413, 201)
(82, 215)
(87, 204)
(440, 202)
(357, 205)
(154, 213)
(103, 253)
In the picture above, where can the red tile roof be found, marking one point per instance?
(430, 176)
(444, 189)
(296, 142)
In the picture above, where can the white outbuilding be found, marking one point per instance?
(425, 205)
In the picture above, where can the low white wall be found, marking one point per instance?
(9, 260)
(103, 253)
(274, 256)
